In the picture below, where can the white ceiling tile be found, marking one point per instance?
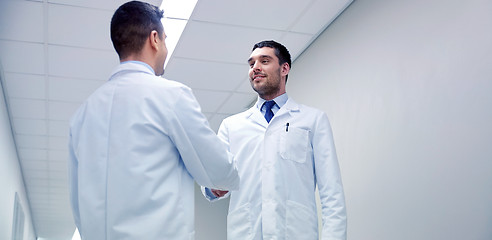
(27, 108)
(33, 154)
(210, 101)
(58, 128)
(296, 43)
(60, 143)
(25, 21)
(220, 43)
(36, 174)
(108, 5)
(36, 190)
(29, 164)
(75, 31)
(81, 63)
(30, 126)
(211, 75)
(319, 16)
(245, 86)
(61, 110)
(60, 175)
(238, 102)
(253, 13)
(31, 141)
(57, 155)
(72, 90)
(59, 165)
(58, 183)
(25, 86)
(32, 59)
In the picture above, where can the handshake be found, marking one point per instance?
(218, 193)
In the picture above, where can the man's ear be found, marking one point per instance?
(285, 68)
(154, 40)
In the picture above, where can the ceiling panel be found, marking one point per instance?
(58, 128)
(210, 101)
(72, 90)
(33, 154)
(296, 43)
(220, 43)
(253, 13)
(237, 102)
(212, 75)
(98, 4)
(81, 62)
(245, 85)
(34, 165)
(59, 165)
(96, 26)
(29, 126)
(61, 110)
(14, 13)
(21, 85)
(319, 15)
(57, 156)
(31, 61)
(31, 141)
(27, 108)
(58, 143)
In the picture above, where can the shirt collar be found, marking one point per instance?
(141, 63)
(280, 101)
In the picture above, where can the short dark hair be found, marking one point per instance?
(132, 24)
(281, 52)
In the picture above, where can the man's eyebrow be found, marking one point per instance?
(262, 56)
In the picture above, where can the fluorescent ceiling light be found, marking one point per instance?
(176, 15)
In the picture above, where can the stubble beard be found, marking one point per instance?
(270, 87)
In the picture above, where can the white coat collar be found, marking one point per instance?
(130, 67)
(254, 113)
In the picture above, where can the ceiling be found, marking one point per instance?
(54, 53)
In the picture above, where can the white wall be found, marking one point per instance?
(408, 88)
(210, 218)
(10, 178)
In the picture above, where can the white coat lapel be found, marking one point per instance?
(289, 106)
(255, 116)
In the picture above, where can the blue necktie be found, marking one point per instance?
(268, 109)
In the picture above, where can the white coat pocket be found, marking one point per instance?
(294, 144)
(301, 222)
(239, 224)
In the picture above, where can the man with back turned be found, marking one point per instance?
(138, 142)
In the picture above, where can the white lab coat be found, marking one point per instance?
(279, 168)
(135, 147)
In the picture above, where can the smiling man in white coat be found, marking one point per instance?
(138, 142)
(283, 150)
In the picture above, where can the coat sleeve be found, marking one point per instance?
(73, 182)
(205, 156)
(329, 182)
(223, 136)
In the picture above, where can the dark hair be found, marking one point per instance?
(132, 24)
(281, 52)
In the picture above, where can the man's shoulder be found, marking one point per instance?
(239, 116)
(291, 103)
